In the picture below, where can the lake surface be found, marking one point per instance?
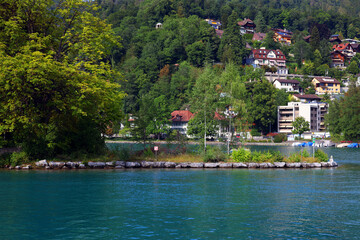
(184, 203)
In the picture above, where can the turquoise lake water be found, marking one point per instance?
(184, 203)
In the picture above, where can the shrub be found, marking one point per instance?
(277, 156)
(5, 159)
(122, 154)
(18, 158)
(214, 154)
(148, 153)
(255, 133)
(295, 157)
(256, 156)
(241, 155)
(280, 138)
(305, 153)
(319, 154)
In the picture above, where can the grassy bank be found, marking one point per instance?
(213, 154)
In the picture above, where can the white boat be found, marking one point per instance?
(343, 145)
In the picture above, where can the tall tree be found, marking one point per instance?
(57, 85)
(203, 104)
(232, 46)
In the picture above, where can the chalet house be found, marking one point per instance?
(337, 59)
(259, 36)
(289, 85)
(307, 98)
(272, 58)
(341, 53)
(282, 36)
(180, 120)
(247, 26)
(326, 85)
(214, 23)
(335, 39)
(356, 47)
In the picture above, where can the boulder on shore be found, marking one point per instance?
(158, 164)
(41, 163)
(225, 165)
(132, 165)
(197, 165)
(211, 165)
(170, 164)
(96, 164)
(239, 165)
(120, 163)
(146, 164)
(253, 165)
(56, 164)
(279, 164)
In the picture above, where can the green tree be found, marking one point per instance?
(196, 53)
(260, 22)
(269, 42)
(203, 104)
(315, 39)
(353, 68)
(300, 126)
(232, 46)
(262, 105)
(57, 85)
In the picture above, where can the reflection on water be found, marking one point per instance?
(184, 203)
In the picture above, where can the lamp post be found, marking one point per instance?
(229, 114)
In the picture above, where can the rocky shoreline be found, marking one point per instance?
(44, 164)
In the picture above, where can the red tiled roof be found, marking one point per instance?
(245, 21)
(181, 116)
(263, 53)
(340, 47)
(218, 116)
(258, 36)
(287, 81)
(326, 80)
(307, 96)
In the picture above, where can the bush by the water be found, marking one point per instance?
(5, 159)
(245, 155)
(241, 155)
(280, 138)
(323, 157)
(122, 154)
(18, 158)
(214, 154)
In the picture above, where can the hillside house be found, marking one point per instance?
(326, 85)
(289, 85)
(214, 23)
(180, 120)
(247, 26)
(341, 53)
(282, 36)
(271, 58)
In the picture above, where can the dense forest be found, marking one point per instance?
(73, 70)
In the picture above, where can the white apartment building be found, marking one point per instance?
(313, 112)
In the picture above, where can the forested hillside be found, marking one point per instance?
(73, 70)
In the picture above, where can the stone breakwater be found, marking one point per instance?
(44, 164)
